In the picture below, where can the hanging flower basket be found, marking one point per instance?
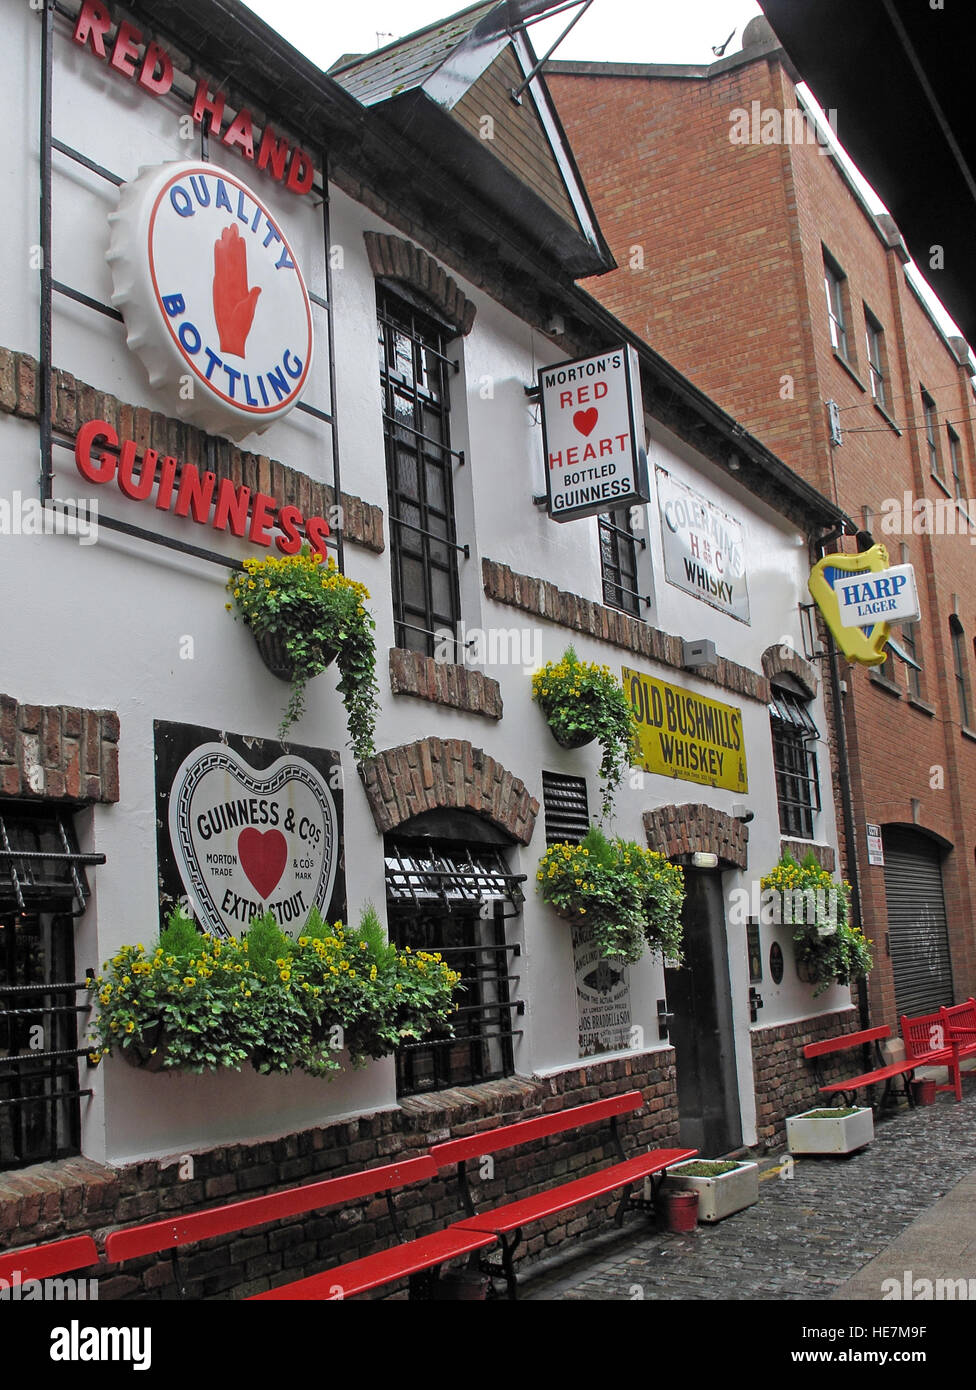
(579, 739)
(273, 652)
(630, 897)
(583, 702)
(827, 949)
(304, 615)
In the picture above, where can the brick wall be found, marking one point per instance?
(434, 773)
(545, 600)
(731, 290)
(58, 752)
(784, 1080)
(694, 827)
(441, 683)
(73, 403)
(50, 1201)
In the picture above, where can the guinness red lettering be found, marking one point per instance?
(200, 497)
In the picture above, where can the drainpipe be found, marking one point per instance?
(847, 798)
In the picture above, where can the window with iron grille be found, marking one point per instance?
(456, 900)
(957, 636)
(618, 559)
(836, 310)
(930, 415)
(414, 375)
(794, 761)
(42, 888)
(955, 462)
(876, 358)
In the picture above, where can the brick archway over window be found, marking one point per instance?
(393, 258)
(448, 773)
(683, 830)
(780, 660)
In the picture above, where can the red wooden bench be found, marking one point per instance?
(846, 1090)
(46, 1261)
(342, 1281)
(503, 1225)
(942, 1039)
(507, 1221)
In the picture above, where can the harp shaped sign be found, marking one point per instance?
(864, 645)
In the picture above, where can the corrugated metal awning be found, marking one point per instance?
(450, 877)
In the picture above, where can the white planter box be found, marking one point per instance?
(836, 1134)
(722, 1195)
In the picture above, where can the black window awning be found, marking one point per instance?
(450, 877)
(786, 708)
(40, 863)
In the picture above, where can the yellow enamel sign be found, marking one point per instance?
(685, 735)
(864, 645)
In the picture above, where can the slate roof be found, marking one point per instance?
(408, 63)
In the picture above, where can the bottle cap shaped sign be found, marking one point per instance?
(213, 300)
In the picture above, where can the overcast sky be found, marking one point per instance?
(641, 31)
(637, 31)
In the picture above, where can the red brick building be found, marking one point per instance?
(748, 257)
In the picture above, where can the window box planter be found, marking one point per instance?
(825, 1132)
(719, 1194)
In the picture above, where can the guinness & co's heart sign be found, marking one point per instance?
(248, 842)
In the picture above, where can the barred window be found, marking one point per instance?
(794, 760)
(456, 899)
(420, 465)
(43, 887)
(618, 559)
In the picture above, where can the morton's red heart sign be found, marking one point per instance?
(248, 842)
(593, 430)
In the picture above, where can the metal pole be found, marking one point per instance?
(44, 386)
(336, 479)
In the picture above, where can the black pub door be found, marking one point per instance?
(700, 1000)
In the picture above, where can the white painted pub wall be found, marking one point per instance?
(101, 626)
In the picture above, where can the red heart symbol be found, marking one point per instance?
(585, 420)
(263, 858)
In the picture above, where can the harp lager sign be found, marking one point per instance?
(860, 596)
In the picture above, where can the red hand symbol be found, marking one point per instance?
(232, 300)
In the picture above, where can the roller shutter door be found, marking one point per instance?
(917, 928)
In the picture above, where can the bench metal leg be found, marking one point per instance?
(624, 1203)
(509, 1245)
